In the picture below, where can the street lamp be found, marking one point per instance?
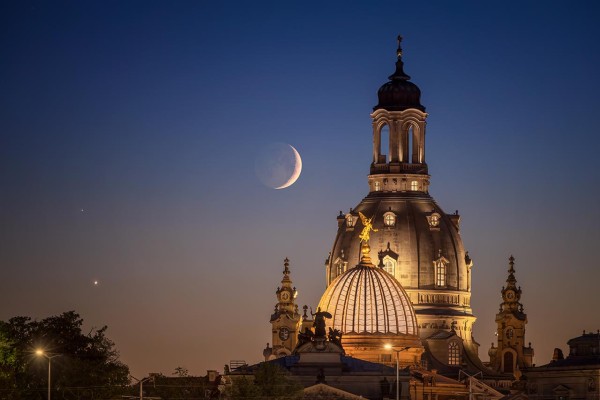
(388, 346)
(42, 353)
(141, 382)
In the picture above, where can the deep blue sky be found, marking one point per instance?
(148, 115)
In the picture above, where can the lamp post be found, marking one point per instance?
(40, 352)
(141, 382)
(397, 351)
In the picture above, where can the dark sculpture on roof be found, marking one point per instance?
(319, 323)
(335, 336)
(305, 337)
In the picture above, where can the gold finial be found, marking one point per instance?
(365, 251)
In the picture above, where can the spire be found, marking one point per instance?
(286, 294)
(511, 294)
(399, 50)
(399, 74)
(511, 280)
(286, 271)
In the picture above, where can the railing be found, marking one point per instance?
(399, 168)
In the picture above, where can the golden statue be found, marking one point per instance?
(365, 234)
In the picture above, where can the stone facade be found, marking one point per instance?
(575, 377)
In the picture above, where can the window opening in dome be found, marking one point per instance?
(384, 148)
(389, 219)
(414, 186)
(377, 186)
(339, 268)
(349, 220)
(453, 353)
(389, 265)
(440, 273)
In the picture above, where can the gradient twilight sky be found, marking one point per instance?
(148, 115)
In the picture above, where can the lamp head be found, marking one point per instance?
(39, 352)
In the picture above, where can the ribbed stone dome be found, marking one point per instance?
(366, 299)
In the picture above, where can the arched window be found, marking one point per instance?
(453, 353)
(440, 273)
(410, 139)
(414, 186)
(377, 186)
(384, 149)
(389, 265)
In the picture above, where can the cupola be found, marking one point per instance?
(399, 93)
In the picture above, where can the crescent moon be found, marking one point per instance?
(297, 170)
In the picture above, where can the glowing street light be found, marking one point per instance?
(42, 353)
(388, 346)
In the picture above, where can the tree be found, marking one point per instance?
(84, 361)
(270, 382)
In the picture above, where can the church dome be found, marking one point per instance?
(399, 95)
(368, 300)
(420, 246)
(413, 232)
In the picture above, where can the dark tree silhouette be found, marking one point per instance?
(84, 360)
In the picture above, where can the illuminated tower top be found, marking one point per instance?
(399, 135)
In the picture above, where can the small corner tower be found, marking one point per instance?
(286, 320)
(511, 355)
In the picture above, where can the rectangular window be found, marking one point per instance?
(440, 274)
(453, 354)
